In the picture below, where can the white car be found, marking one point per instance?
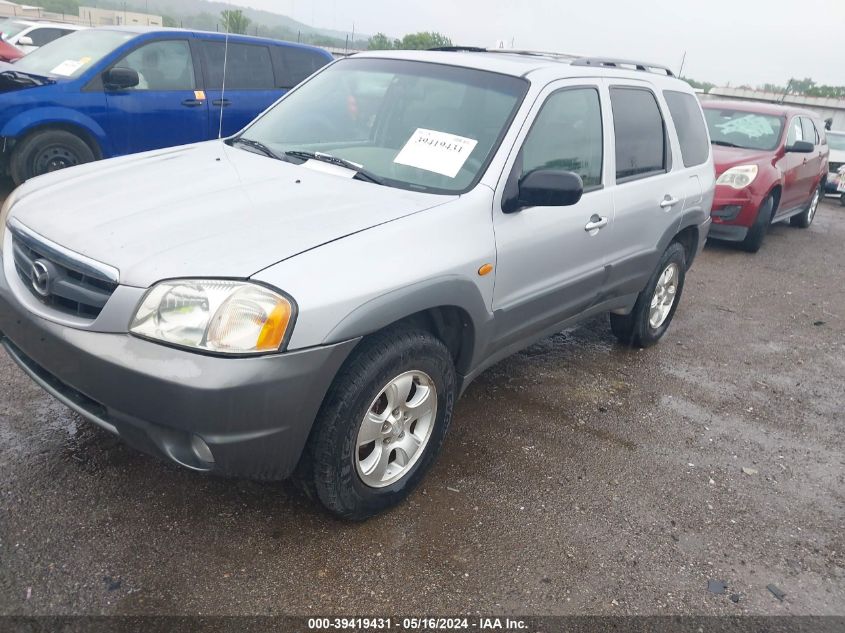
(27, 35)
(836, 178)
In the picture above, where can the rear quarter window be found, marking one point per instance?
(690, 126)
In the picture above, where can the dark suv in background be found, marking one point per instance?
(771, 164)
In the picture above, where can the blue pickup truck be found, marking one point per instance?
(107, 92)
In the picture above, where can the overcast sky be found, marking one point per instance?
(736, 41)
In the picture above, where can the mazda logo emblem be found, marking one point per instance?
(40, 277)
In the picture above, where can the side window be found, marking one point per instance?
(640, 134)
(796, 132)
(248, 66)
(567, 134)
(295, 64)
(689, 123)
(809, 131)
(165, 65)
(40, 37)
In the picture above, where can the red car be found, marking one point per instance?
(9, 53)
(771, 164)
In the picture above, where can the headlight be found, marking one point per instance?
(228, 317)
(738, 177)
(4, 215)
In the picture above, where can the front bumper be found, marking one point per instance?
(734, 212)
(254, 414)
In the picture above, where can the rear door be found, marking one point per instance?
(550, 260)
(250, 83)
(651, 185)
(167, 108)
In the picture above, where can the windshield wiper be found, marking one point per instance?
(261, 147)
(724, 143)
(360, 172)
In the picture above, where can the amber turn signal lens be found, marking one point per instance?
(273, 332)
(486, 269)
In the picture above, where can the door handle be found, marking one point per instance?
(596, 222)
(668, 202)
(223, 103)
(192, 103)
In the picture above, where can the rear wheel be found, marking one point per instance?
(805, 219)
(47, 151)
(382, 424)
(754, 240)
(656, 304)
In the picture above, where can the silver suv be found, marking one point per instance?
(311, 296)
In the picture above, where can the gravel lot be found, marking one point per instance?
(579, 477)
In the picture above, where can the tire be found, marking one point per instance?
(50, 150)
(754, 240)
(805, 219)
(636, 329)
(842, 200)
(335, 460)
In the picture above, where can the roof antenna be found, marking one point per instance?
(223, 90)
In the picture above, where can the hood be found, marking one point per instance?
(206, 210)
(12, 78)
(727, 157)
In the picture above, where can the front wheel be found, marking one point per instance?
(382, 424)
(47, 151)
(805, 219)
(754, 240)
(656, 304)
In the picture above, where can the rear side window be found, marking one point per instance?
(248, 66)
(689, 123)
(640, 133)
(295, 64)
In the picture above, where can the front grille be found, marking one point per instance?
(70, 289)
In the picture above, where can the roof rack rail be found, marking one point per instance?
(459, 49)
(609, 62)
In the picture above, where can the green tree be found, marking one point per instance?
(169, 22)
(234, 21)
(380, 42)
(800, 86)
(699, 85)
(423, 40)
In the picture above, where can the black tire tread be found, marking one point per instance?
(316, 473)
(21, 156)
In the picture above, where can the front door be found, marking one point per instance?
(166, 108)
(550, 260)
(793, 165)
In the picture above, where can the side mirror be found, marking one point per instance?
(547, 188)
(120, 78)
(25, 40)
(801, 147)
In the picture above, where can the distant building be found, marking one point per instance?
(825, 108)
(115, 17)
(88, 16)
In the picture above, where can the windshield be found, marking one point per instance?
(412, 125)
(748, 130)
(10, 28)
(836, 140)
(72, 55)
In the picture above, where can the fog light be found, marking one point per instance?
(201, 449)
(728, 212)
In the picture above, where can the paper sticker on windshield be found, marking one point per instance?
(438, 152)
(752, 126)
(68, 67)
